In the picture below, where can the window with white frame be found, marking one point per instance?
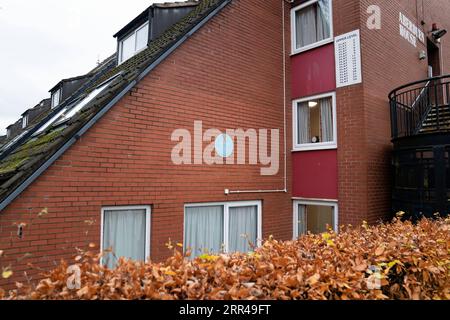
(134, 43)
(24, 121)
(314, 216)
(315, 122)
(222, 227)
(312, 25)
(126, 232)
(56, 98)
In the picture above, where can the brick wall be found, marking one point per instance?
(388, 61)
(229, 75)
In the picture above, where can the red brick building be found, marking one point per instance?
(98, 166)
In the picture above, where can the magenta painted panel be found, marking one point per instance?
(313, 72)
(315, 174)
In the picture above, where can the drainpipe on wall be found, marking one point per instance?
(285, 190)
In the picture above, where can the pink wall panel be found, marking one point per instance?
(315, 174)
(313, 72)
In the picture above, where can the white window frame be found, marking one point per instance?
(226, 217)
(134, 35)
(148, 212)
(24, 121)
(314, 146)
(320, 43)
(314, 202)
(53, 105)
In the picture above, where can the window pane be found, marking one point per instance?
(303, 123)
(313, 23)
(204, 229)
(301, 219)
(142, 38)
(243, 228)
(127, 47)
(318, 217)
(326, 120)
(56, 98)
(124, 232)
(315, 121)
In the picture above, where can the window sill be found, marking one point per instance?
(312, 46)
(315, 147)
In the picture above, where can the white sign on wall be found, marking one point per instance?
(409, 31)
(348, 59)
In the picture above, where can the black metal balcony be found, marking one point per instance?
(421, 107)
(420, 116)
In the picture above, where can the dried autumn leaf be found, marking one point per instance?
(313, 279)
(7, 273)
(379, 251)
(361, 267)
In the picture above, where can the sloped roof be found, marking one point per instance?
(21, 167)
(20, 135)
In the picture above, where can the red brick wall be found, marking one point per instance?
(229, 75)
(388, 61)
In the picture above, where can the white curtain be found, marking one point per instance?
(313, 23)
(306, 26)
(204, 229)
(326, 119)
(124, 232)
(323, 20)
(303, 123)
(243, 228)
(301, 220)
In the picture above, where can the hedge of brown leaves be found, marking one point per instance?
(409, 261)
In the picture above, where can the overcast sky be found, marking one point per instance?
(45, 41)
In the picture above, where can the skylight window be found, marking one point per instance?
(56, 98)
(71, 110)
(9, 144)
(134, 43)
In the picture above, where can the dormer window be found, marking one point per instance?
(133, 43)
(25, 121)
(56, 98)
(312, 25)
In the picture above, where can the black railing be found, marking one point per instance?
(420, 107)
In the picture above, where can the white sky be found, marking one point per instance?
(45, 41)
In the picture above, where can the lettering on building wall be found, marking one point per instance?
(409, 31)
(348, 59)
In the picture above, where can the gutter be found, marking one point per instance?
(105, 109)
